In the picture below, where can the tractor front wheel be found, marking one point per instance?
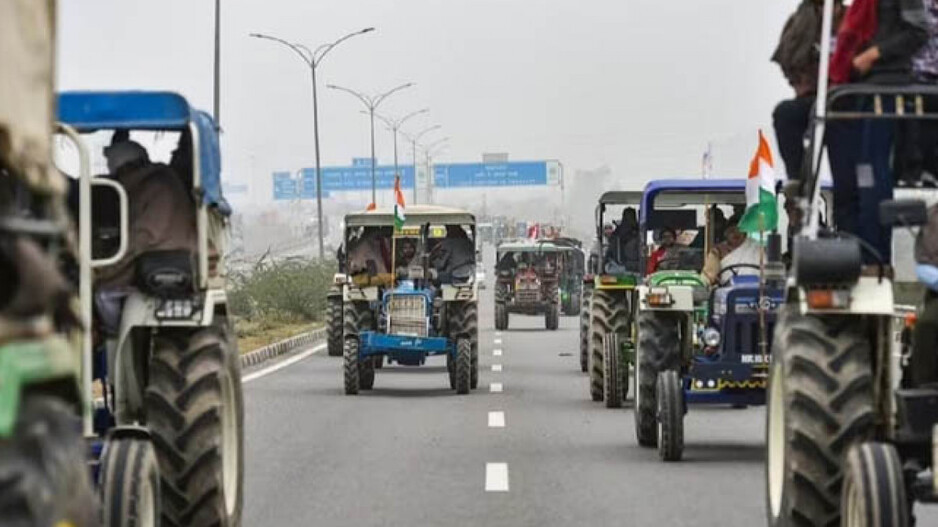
(334, 323)
(351, 371)
(874, 488)
(129, 483)
(614, 389)
(670, 416)
(463, 365)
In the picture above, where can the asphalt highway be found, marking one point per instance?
(527, 448)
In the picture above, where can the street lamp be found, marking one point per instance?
(395, 126)
(312, 60)
(431, 150)
(413, 144)
(372, 103)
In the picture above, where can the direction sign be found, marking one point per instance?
(516, 173)
(338, 179)
(285, 186)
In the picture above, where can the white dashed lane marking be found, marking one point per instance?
(496, 367)
(497, 419)
(496, 477)
(496, 352)
(498, 341)
(495, 387)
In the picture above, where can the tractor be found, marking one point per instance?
(410, 293)
(572, 269)
(850, 442)
(43, 474)
(169, 411)
(616, 270)
(528, 281)
(697, 342)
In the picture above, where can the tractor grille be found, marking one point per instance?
(408, 314)
(527, 296)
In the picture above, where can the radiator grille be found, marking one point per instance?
(408, 315)
(527, 296)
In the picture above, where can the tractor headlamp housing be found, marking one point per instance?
(711, 337)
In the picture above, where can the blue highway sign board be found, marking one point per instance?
(285, 187)
(517, 173)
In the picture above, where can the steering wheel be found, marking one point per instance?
(735, 270)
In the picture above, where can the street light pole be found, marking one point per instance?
(312, 60)
(395, 127)
(413, 143)
(217, 88)
(431, 150)
(371, 104)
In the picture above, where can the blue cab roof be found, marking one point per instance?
(89, 111)
(703, 186)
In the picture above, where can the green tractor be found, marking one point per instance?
(612, 298)
(43, 473)
(572, 270)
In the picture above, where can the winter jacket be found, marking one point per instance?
(797, 52)
(902, 30)
(926, 243)
(161, 217)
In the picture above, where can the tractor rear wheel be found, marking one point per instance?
(366, 372)
(585, 330)
(670, 416)
(130, 483)
(820, 405)
(351, 370)
(334, 323)
(195, 413)
(609, 314)
(463, 321)
(614, 390)
(463, 365)
(44, 478)
(874, 488)
(501, 316)
(659, 347)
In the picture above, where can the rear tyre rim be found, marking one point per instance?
(230, 461)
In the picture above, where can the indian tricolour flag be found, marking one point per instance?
(761, 207)
(398, 204)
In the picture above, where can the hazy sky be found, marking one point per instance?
(638, 85)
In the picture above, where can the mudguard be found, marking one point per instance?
(23, 363)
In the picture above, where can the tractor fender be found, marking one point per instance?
(24, 363)
(682, 297)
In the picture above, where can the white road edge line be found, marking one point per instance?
(497, 419)
(281, 365)
(496, 477)
(496, 367)
(496, 352)
(495, 387)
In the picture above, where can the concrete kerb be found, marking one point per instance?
(303, 340)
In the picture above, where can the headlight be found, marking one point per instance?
(659, 296)
(175, 309)
(711, 337)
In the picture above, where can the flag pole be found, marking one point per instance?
(763, 344)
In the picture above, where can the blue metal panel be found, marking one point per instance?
(520, 173)
(285, 187)
(653, 188)
(376, 343)
(210, 163)
(88, 111)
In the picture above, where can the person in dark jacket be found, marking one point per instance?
(797, 55)
(923, 364)
(860, 152)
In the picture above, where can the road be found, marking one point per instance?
(413, 453)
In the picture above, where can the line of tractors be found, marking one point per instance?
(117, 407)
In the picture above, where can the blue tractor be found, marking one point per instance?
(409, 294)
(700, 339)
(161, 364)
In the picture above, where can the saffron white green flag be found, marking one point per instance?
(761, 206)
(398, 205)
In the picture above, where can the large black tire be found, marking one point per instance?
(334, 323)
(552, 317)
(615, 382)
(874, 490)
(463, 322)
(351, 373)
(129, 483)
(574, 308)
(670, 416)
(659, 347)
(819, 406)
(501, 316)
(43, 476)
(195, 413)
(609, 313)
(356, 317)
(366, 372)
(463, 365)
(585, 330)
